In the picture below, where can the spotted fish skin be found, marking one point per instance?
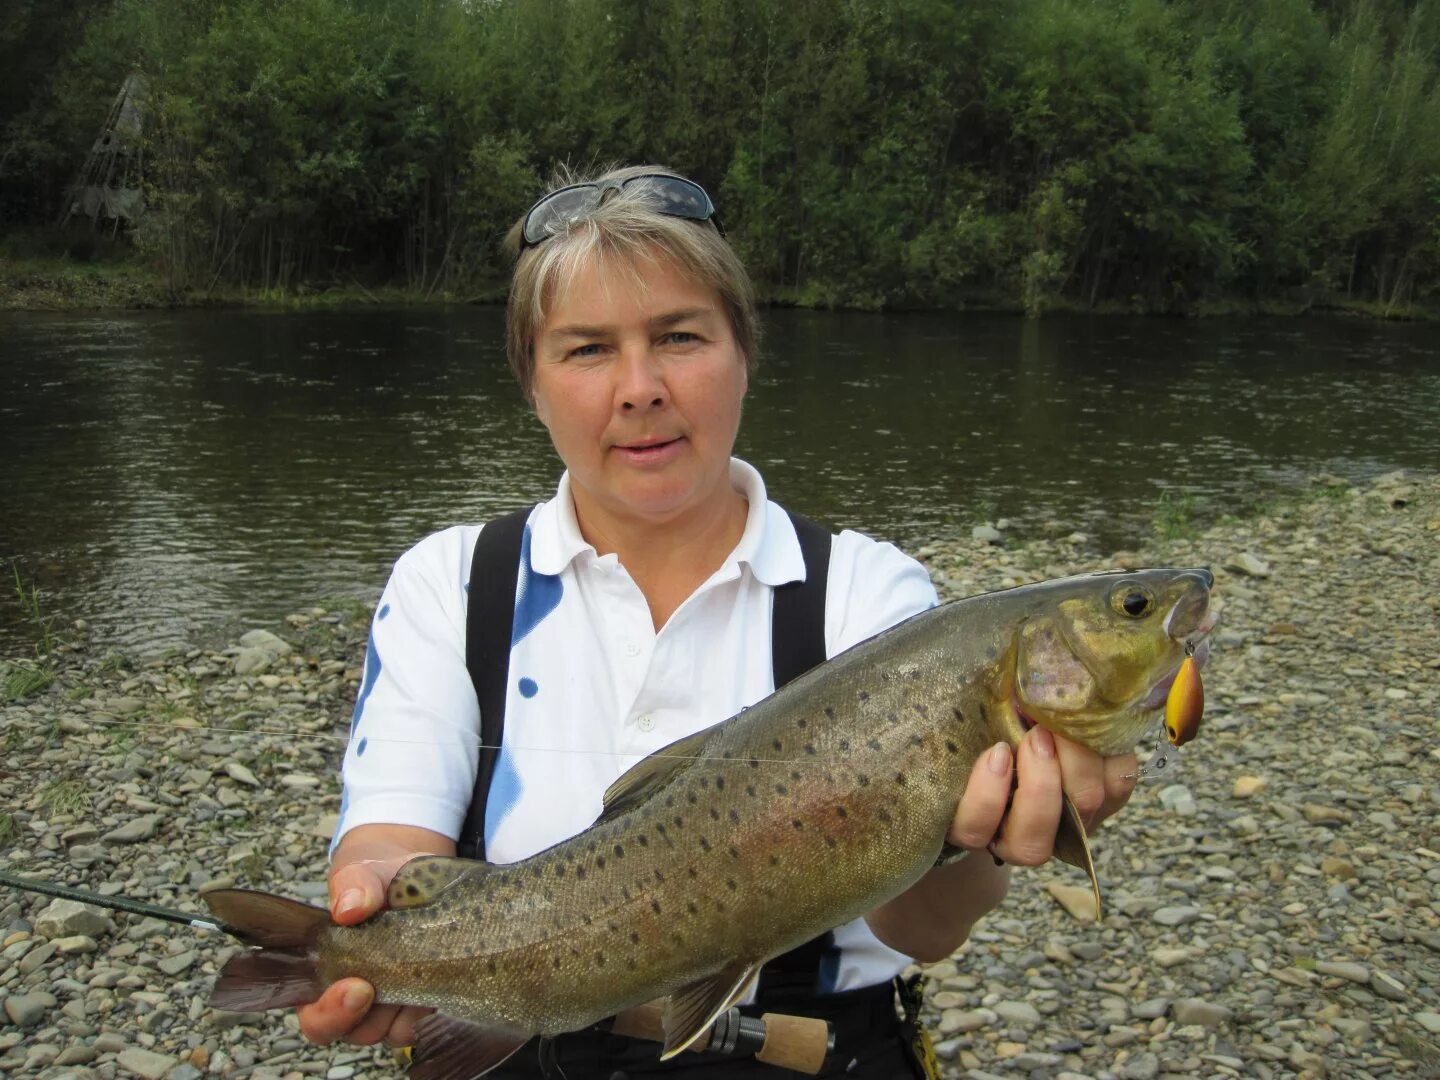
(803, 812)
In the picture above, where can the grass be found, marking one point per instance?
(65, 797)
(255, 865)
(19, 683)
(9, 828)
(113, 662)
(39, 621)
(121, 737)
(1421, 1051)
(1174, 516)
(1326, 492)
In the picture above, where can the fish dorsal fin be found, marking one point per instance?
(691, 1010)
(448, 1048)
(647, 775)
(425, 877)
(1072, 845)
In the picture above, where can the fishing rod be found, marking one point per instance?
(120, 903)
(799, 1043)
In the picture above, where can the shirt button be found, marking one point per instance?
(632, 649)
(645, 723)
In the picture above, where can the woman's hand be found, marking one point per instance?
(1021, 830)
(366, 860)
(931, 919)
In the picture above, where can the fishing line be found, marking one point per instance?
(205, 729)
(1157, 762)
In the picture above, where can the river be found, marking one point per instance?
(172, 475)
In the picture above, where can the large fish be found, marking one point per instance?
(741, 841)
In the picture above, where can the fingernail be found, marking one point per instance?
(350, 900)
(357, 998)
(999, 758)
(1044, 742)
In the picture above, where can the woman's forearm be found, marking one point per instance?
(932, 918)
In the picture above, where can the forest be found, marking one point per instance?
(1150, 155)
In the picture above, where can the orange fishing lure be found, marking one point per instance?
(1185, 704)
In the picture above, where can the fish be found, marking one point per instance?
(743, 840)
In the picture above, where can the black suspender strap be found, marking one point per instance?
(797, 617)
(489, 623)
(797, 642)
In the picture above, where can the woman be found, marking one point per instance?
(644, 597)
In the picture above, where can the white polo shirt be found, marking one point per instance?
(593, 687)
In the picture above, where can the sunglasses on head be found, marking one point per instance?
(672, 195)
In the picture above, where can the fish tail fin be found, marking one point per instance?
(280, 973)
(266, 979)
(266, 920)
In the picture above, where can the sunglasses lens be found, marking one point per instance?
(677, 197)
(558, 208)
(672, 195)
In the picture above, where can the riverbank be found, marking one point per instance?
(57, 284)
(63, 285)
(1272, 900)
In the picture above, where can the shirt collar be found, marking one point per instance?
(768, 545)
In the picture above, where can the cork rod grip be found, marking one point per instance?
(800, 1043)
(795, 1042)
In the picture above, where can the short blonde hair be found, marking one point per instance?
(626, 228)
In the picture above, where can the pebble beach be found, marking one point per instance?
(1272, 894)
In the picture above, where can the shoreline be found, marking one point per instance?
(52, 285)
(1273, 901)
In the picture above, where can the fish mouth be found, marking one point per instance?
(1197, 646)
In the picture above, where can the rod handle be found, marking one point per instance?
(795, 1042)
(800, 1043)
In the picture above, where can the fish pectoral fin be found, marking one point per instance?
(425, 877)
(950, 854)
(649, 774)
(691, 1010)
(1073, 846)
(448, 1048)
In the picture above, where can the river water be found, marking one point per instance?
(169, 475)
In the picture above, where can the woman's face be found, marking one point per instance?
(640, 383)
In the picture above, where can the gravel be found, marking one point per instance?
(1272, 897)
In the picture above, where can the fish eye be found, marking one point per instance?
(1132, 600)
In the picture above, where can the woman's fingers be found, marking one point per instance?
(1015, 810)
(337, 1012)
(357, 891)
(344, 1010)
(1027, 836)
(1083, 771)
(987, 794)
(375, 1026)
(402, 1031)
(1122, 772)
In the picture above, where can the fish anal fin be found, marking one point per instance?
(448, 1048)
(425, 877)
(267, 920)
(691, 1010)
(265, 979)
(649, 774)
(1073, 846)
